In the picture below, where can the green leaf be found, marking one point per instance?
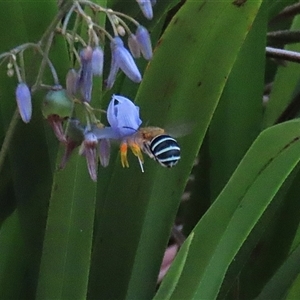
(65, 269)
(277, 226)
(68, 239)
(13, 258)
(237, 120)
(183, 83)
(225, 227)
(294, 291)
(27, 148)
(278, 285)
(168, 286)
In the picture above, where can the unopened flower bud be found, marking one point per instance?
(143, 38)
(86, 54)
(121, 31)
(146, 8)
(134, 46)
(23, 97)
(85, 81)
(114, 18)
(72, 82)
(97, 61)
(10, 72)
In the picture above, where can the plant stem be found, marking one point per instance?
(8, 137)
(283, 54)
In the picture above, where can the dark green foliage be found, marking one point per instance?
(62, 236)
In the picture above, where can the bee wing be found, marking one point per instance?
(180, 130)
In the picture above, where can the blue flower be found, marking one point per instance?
(124, 119)
(121, 59)
(146, 8)
(23, 97)
(123, 116)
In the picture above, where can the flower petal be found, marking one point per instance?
(123, 116)
(169, 257)
(114, 68)
(57, 125)
(89, 149)
(104, 152)
(124, 60)
(105, 133)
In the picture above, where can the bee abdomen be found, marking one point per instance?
(165, 150)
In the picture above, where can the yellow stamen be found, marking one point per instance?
(136, 150)
(124, 160)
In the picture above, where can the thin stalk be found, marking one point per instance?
(67, 19)
(43, 63)
(8, 137)
(22, 65)
(283, 54)
(287, 12)
(283, 37)
(62, 11)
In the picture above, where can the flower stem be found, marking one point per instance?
(8, 137)
(43, 63)
(55, 21)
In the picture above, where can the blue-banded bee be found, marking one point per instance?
(159, 146)
(164, 149)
